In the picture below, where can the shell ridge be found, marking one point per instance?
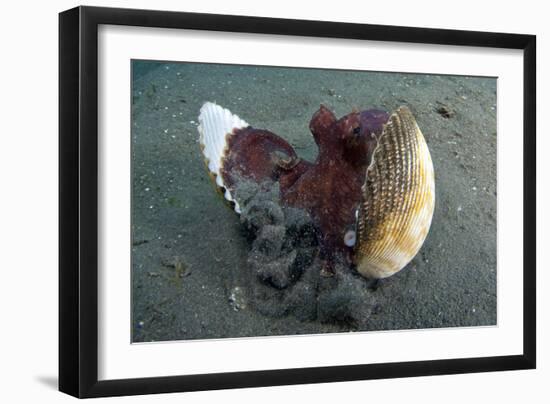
(216, 126)
(412, 220)
(389, 249)
(397, 221)
(411, 197)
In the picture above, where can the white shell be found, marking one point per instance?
(215, 125)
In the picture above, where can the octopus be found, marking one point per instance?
(370, 191)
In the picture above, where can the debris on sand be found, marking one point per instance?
(445, 111)
(283, 267)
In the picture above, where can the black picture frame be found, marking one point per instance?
(78, 201)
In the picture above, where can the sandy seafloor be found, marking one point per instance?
(189, 254)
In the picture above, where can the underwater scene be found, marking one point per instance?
(282, 201)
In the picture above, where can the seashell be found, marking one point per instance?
(216, 125)
(398, 199)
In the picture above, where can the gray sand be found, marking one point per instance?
(191, 274)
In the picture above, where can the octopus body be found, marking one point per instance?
(371, 181)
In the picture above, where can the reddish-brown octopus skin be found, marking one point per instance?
(260, 155)
(329, 188)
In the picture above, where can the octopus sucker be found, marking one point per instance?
(370, 191)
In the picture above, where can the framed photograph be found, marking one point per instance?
(252, 201)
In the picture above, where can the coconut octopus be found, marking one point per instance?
(370, 190)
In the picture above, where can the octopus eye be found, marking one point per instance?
(356, 130)
(350, 238)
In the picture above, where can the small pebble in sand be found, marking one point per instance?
(237, 298)
(445, 111)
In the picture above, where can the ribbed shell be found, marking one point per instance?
(398, 199)
(216, 124)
